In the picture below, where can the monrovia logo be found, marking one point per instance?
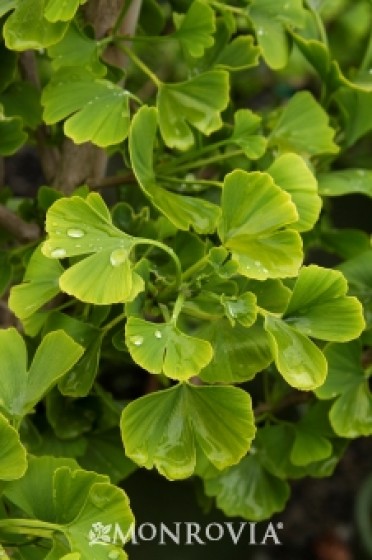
(185, 533)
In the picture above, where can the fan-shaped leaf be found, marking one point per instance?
(13, 457)
(55, 10)
(97, 109)
(245, 136)
(347, 181)
(254, 212)
(195, 29)
(162, 347)
(169, 428)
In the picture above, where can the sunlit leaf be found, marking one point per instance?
(190, 104)
(27, 27)
(95, 110)
(84, 227)
(320, 308)
(182, 211)
(170, 428)
(55, 10)
(162, 347)
(254, 212)
(303, 127)
(291, 173)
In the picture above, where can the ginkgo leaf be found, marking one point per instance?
(78, 226)
(351, 413)
(195, 29)
(248, 490)
(78, 504)
(95, 109)
(12, 136)
(312, 436)
(270, 18)
(77, 49)
(291, 173)
(303, 127)
(168, 429)
(239, 352)
(40, 285)
(239, 54)
(320, 308)
(13, 456)
(27, 28)
(245, 134)
(7, 6)
(298, 359)
(55, 10)
(190, 104)
(346, 181)
(162, 347)
(254, 213)
(22, 387)
(182, 211)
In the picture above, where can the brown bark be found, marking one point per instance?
(21, 230)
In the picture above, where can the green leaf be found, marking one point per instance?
(77, 49)
(245, 126)
(356, 110)
(347, 181)
(13, 457)
(40, 285)
(239, 54)
(22, 388)
(358, 272)
(168, 429)
(239, 353)
(291, 173)
(195, 28)
(22, 99)
(182, 211)
(299, 360)
(12, 136)
(262, 248)
(351, 413)
(162, 347)
(270, 18)
(79, 227)
(55, 10)
(320, 308)
(303, 127)
(247, 490)
(313, 431)
(97, 109)
(7, 6)
(241, 308)
(57, 491)
(27, 28)
(190, 103)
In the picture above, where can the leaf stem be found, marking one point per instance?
(168, 250)
(194, 268)
(319, 23)
(191, 155)
(208, 182)
(140, 64)
(225, 7)
(114, 322)
(367, 58)
(207, 161)
(30, 527)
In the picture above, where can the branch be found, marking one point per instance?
(21, 230)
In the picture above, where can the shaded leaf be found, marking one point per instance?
(162, 347)
(12, 136)
(189, 104)
(245, 134)
(346, 181)
(182, 211)
(247, 490)
(13, 457)
(169, 428)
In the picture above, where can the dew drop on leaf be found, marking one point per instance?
(118, 256)
(158, 334)
(136, 340)
(75, 233)
(113, 555)
(58, 253)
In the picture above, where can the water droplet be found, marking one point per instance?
(260, 32)
(257, 263)
(137, 340)
(158, 334)
(118, 256)
(75, 233)
(361, 172)
(58, 253)
(265, 271)
(113, 555)
(286, 6)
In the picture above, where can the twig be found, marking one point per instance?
(21, 230)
